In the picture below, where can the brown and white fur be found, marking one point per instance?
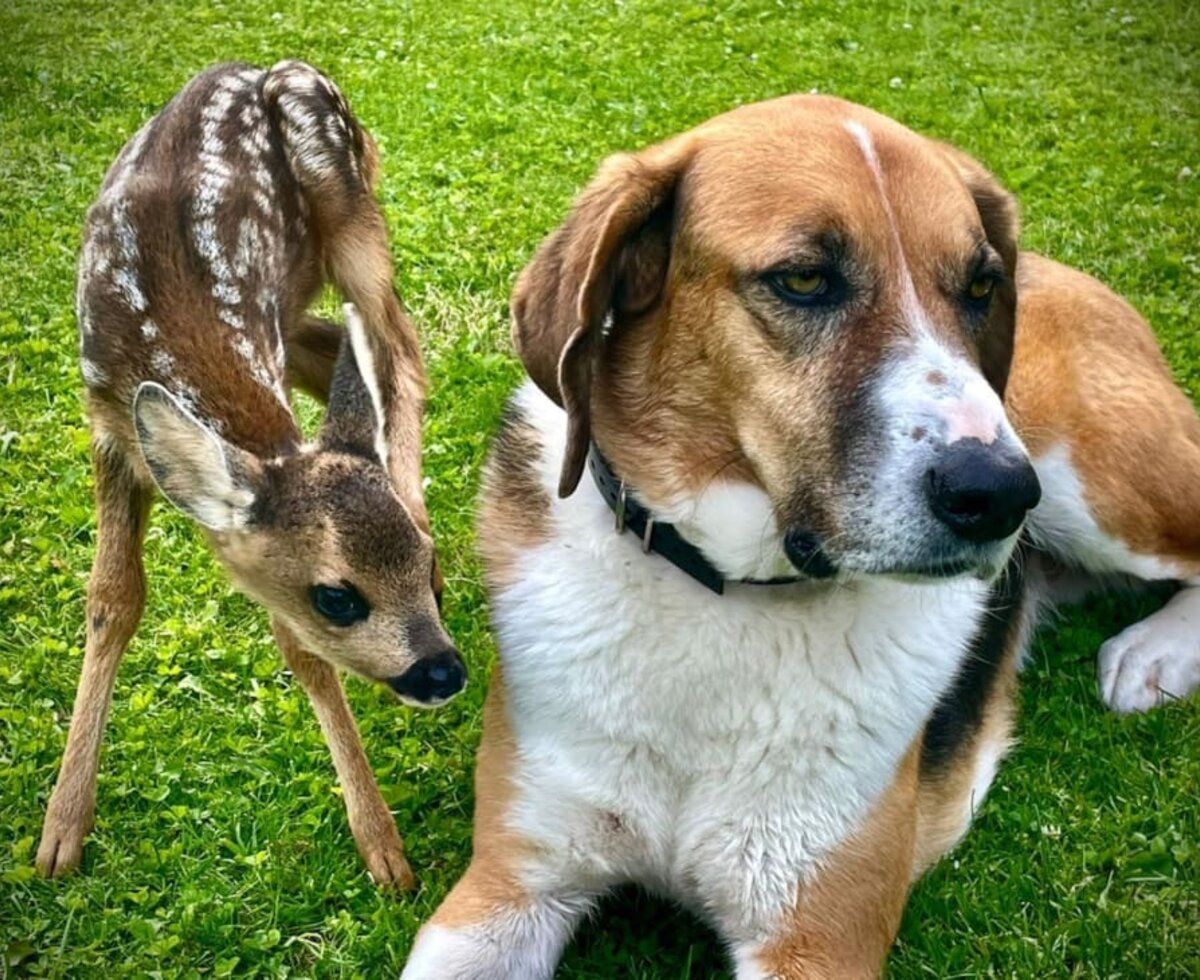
(786, 759)
(215, 228)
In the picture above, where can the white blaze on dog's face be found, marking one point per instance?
(812, 319)
(945, 439)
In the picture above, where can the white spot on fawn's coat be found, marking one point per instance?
(93, 374)
(127, 282)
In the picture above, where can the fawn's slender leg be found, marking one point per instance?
(116, 597)
(371, 821)
(311, 352)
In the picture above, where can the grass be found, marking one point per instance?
(221, 846)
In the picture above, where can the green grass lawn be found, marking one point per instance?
(221, 845)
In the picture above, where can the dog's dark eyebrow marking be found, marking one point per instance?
(983, 247)
(979, 258)
(806, 247)
(988, 260)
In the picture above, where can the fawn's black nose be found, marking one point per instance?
(432, 679)
(982, 493)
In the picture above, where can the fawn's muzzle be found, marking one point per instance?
(433, 679)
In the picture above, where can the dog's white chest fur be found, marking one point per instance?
(712, 747)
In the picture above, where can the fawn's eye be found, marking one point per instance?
(342, 605)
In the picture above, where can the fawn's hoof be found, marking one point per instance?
(61, 848)
(389, 868)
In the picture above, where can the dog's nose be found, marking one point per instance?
(982, 493)
(433, 678)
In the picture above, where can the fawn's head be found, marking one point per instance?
(319, 536)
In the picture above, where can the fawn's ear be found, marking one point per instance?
(606, 263)
(375, 402)
(355, 421)
(199, 472)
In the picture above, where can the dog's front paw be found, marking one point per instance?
(1148, 664)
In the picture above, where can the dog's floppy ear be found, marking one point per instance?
(609, 259)
(998, 211)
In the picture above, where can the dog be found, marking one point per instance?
(762, 659)
(216, 227)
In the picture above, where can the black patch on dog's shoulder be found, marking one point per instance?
(960, 712)
(516, 448)
(510, 444)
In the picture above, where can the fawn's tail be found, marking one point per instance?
(333, 158)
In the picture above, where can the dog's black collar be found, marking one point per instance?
(658, 536)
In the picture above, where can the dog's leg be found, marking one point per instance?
(1116, 446)
(511, 914)
(371, 822)
(488, 930)
(1155, 660)
(311, 352)
(116, 597)
(1093, 516)
(845, 917)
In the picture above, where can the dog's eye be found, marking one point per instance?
(981, 288)
(804, 283)
(800, 287)
(342, 605)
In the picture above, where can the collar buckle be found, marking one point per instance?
(647, 534)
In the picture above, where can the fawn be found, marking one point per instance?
(215, 228)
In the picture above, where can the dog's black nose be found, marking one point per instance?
(982, 493)
(431, 679)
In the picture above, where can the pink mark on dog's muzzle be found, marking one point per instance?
(969, 419)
